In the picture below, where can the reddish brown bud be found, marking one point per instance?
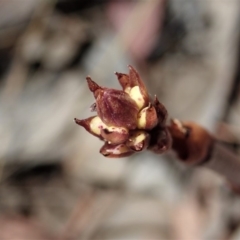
(93, 125)
(138, 140)
(116, 108)
(138, 90)
(134, 86)
(115, 151)
(147, 118)
(128, 121)
(115, 135)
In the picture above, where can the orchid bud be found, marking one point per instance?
(114, 107)
(138, 140)
(115, 135)
(115, 151)
(147, 118)
(93, 125)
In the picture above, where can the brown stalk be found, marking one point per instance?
(196, 147)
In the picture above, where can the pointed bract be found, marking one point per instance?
(138, 90)
(124, 81)
(147, 118)
(93, 125)
(93, 87)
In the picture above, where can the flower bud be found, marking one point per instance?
(134, 86)
(115, 135)
(114, 107)
(138, 92)
(138, 140)
(93, 125)
(127, 120)
(147, 118)
(115, 151)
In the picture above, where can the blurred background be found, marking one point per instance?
(54, 184)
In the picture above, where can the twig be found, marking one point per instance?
(196, 147)
(225, 162)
